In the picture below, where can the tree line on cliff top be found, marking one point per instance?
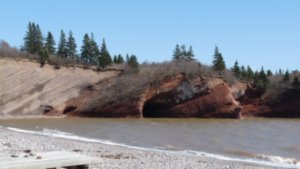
(45, 51)
(90, 52)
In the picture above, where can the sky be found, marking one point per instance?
(254, 32)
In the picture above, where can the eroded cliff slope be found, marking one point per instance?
(27, 89)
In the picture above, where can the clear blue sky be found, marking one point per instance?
(254, 32)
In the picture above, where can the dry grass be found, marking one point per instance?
(128, 87)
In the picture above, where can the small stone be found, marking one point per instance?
(14, 156)
(39, 157)
(32, 154)
(7, 144)
(27, 151)
(77, 150)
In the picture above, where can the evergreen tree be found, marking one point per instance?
(218, 62)
(71, 46)
(296, 83)
(50, 43)
(115, 59)
(259, 84)
(243, 74)
(286, 77)
(261, 80)
(86, 53)
(38, 40)
(29, 38)
(62, 50)
(180, 53)
(190, 54)
(95, 53)
(269, 72)
(120, 59)
(183, 52)
(250, 74)
(133, 62)
(177, 53)
(236, 69)
(33, 40)
(104, 58)
(263, 76)
(127, 58)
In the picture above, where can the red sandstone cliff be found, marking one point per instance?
(179, 97)
(174, 97)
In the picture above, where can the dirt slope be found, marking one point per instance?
(28, 89)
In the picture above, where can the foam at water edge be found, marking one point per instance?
(271, 161)
(268, 160)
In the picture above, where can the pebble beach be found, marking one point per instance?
(15, 144)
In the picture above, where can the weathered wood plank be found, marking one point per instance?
(48, 160)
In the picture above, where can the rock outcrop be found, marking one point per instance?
(199, 97)
(174, 97)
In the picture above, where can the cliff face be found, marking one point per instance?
(27, 89)
(193, 98)
(285, 105)
(174, 97)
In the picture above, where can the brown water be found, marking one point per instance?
(233, 138)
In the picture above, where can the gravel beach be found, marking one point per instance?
(112, 157)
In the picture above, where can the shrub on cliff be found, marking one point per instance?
(11, 52)
(129, 86)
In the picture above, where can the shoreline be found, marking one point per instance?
(112, 156)
(17, 117)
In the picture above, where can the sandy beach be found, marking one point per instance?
(112, 157)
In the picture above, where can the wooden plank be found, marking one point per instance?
(48, 160)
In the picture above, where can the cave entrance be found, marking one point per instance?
(153, 110)
(160, 105)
